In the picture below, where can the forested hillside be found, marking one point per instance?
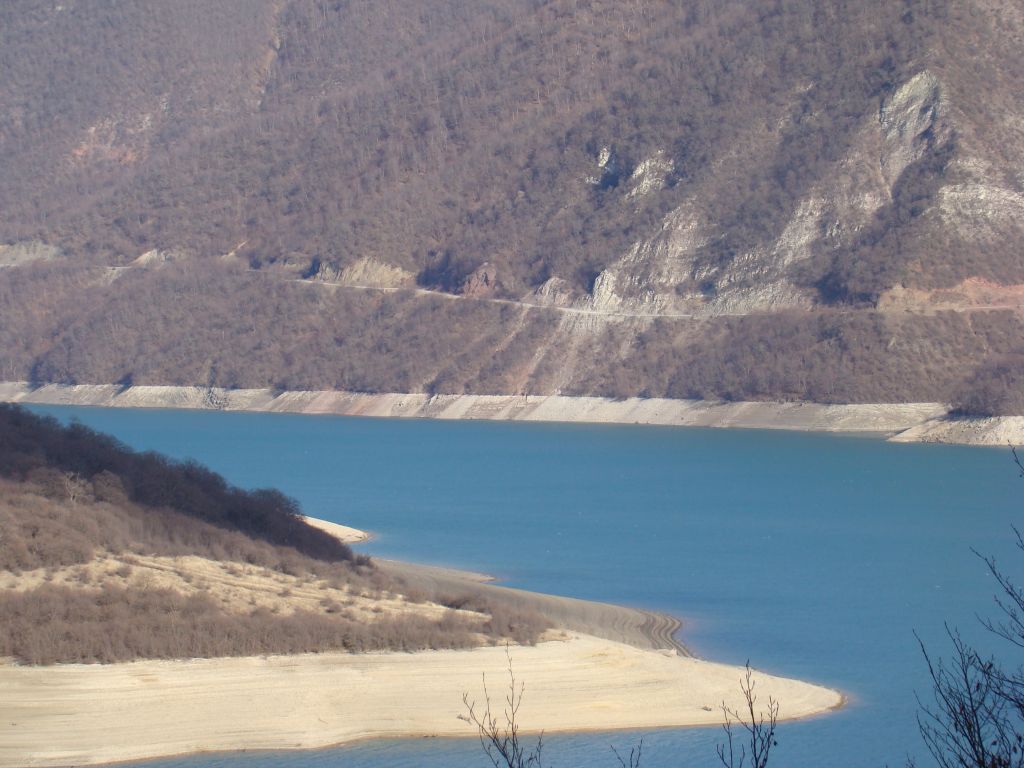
(110, 555)
(772, 199)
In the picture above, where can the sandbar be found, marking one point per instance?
(82, 714)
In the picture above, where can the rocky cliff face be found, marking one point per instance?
(669, 274)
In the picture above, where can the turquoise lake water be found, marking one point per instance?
(813, 556)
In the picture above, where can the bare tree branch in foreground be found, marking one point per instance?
(500, 741)
(971, 724)
(633, 760)
(976, 717)
(760, 731)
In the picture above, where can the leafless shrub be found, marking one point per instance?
(413, 594)
(331, 606)
(54, 624)
(523, 627)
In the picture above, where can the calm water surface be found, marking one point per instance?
(814, 556)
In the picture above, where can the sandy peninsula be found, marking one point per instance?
(603, 667)
(88, 714)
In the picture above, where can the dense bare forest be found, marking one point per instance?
(31, 446)
(110, 555)
(601, 197)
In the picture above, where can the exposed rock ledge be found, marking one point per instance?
(908, 422)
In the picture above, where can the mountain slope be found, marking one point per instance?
(608, 188)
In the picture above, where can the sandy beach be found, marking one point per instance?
(88, 714)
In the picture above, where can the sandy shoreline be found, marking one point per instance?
(343, 533)
(646, 630)
(633, 626)
(604, 668)
(908, 422)
(80, 714)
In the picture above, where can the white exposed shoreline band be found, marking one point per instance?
(905, 422)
